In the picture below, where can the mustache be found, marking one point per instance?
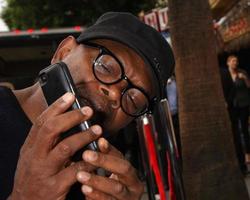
(99, 116)
(101, 106)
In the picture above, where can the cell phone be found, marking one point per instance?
(55, 81)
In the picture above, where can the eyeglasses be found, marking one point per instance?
(108, 70)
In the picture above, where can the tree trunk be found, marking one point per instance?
(210, 168)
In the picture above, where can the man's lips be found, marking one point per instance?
(84, 102)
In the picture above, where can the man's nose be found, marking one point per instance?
(113, 92)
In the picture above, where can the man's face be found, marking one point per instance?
(106, 99)
(232, 63)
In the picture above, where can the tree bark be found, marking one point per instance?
(210, 168)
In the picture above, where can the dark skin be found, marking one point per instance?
(44, 167)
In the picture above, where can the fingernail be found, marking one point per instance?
(67, 97)
(86, 189)
(90, 156)
(86, 110)
(83, 176)
(104, 143)
(96, 129)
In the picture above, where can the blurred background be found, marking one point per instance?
(30, 30)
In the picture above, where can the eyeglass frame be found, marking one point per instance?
(104, 51)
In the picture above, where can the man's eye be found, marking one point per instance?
(132, 102)
(129, 104)
(103, 68)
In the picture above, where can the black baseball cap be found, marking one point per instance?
(146, 41)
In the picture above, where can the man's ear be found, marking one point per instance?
(64, 49)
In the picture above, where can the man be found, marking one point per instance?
(236, 91)
(119, 66)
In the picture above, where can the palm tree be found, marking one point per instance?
(210, 168)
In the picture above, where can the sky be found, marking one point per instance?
(3, 26)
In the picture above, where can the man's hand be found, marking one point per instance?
(123, 184)
(243, 76)
(44, 170)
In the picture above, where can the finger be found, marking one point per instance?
(51, 130)
(103, 184)
(88, 198)
(125, 171)
(67, 176)
(91, 193)
(59, 106)
(107, 148)
(114, 176)
(70, 145)
(103, 145)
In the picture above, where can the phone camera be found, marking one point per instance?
(44, 77)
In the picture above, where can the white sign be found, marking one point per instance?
(158, 19)
(163, 19)
(151, 20)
